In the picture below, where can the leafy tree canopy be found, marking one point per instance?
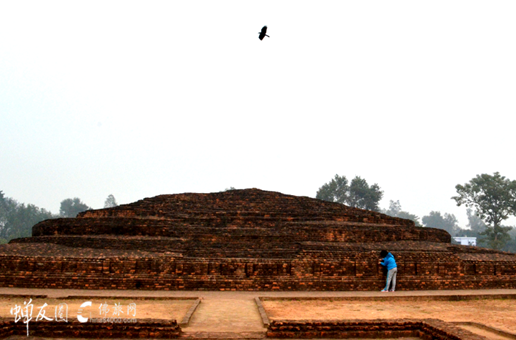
(494, 199)
(395, 211)
(496, 237)
(447, 222)
(110, 202)
(475, 223)
(17, 220)
(358, 193)
(511, 244)
(2, 199)
(71, 207)
(361, 195)
(334, 191)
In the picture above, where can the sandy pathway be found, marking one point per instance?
(226, 315)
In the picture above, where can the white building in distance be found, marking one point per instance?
(466, 241)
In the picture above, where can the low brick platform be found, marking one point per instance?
(224, 324)
(428, 329)
(146, 328)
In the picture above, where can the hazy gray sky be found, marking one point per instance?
(141, 98)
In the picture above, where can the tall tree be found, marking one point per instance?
(496, 237)
(2, 199)
(494, 199)
(475, 223)
(447, 222)
(23, 218)
(3, 210)
(357, 194)
(110, 202)
(395, 211)
(17, 220)
(361, 195)
(511, 245)
(8, 208)
(71, 207)
(335, 190)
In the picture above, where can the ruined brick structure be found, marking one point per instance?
(427, 329)
(73, 329)
(244, 240)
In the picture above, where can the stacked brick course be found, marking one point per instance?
(146, 328)
(244, 240)
(428, 329)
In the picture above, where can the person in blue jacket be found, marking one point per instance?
(389, 262)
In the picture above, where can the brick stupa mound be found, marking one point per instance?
(244, 240)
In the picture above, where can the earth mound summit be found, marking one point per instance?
(244, 240)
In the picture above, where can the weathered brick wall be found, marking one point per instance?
(244, 240)
(145, 328)
(358, 273)
(296, 232)
(428, 329)
(241, 207)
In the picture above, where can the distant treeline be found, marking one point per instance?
(484, 220)
(17, 219)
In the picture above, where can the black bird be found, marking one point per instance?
(262, 33)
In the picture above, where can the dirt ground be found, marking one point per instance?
(111, 308)
(484, 333)
(497, 313)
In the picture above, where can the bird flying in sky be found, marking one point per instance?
(262, 33)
